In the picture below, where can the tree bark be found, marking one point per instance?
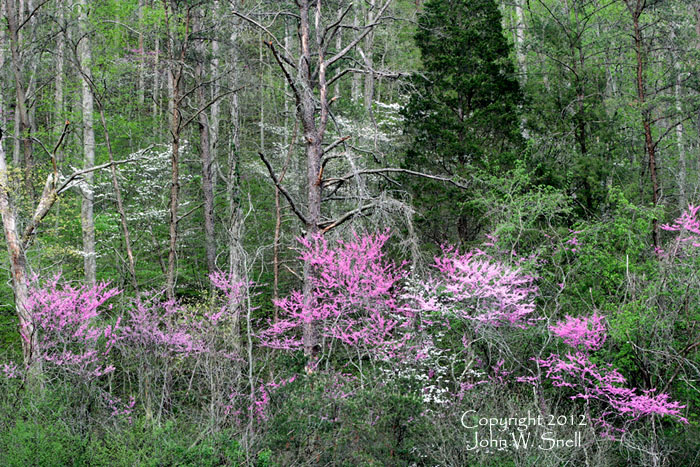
(142, 58)
(368, 59)
(355, 83)
(207, 165)
(636, 9)
(60, 65)
(520, 40)
(18, 269)
(24, 125)
(87, 187)
(175, 84)
(235, 214)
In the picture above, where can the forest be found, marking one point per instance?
(350, 232)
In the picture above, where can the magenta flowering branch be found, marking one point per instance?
(72, 335)
(475, 287)
(355, 302)
(586, 332)
(602, 383)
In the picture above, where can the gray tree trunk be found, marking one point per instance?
(23, 128)
(87, 187)
(207, 164)
(235, 220)
(15, 250)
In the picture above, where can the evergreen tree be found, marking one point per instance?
(463, 114)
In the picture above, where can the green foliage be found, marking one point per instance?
(464, 113)
(43, 433)
(30, 442)
(608, 254)
(375, 424)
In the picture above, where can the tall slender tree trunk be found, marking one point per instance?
(313, 135)
(235, 214)
(87, 187)
(23, 132)
(636, 9)
(355, 83)
(15, 250)
(174, 181)
(368, 59)
(338, 46)
(520, 39)
(214, 121)
(142, 58)
(175, 85)
(156, 82)
(18, 269)
(60, 65)
(262, 93)
(207, 164)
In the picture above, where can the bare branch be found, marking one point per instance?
(282, 190)
(287, 76)
(31, 14)
(451, 181)
(326, 226)
(357, 40)
(207, 105)
(79, 173)
(335, 144)
(267, 31)
(334, 27)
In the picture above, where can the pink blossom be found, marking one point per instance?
(478, 288)
(72, 334)
(588, 332)
(355, 298)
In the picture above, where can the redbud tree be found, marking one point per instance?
(355, 304)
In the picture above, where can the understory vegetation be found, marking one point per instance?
(330, 232)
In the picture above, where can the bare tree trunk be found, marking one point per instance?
(262, 94)
(8, 212)
(313, 116)
(15, 250)
(520, 39)
(175, 84)
(142, 59)
(682, 162)
(24, 125)
(235, 221)
(313, 135)
(207, 165)
(60, 65)
(215, 107)
(368, 59)
(156, 81)
(355, 83)
(18, 269)
(636, 11)
(174, 183)
(338, 46)
(87, 188)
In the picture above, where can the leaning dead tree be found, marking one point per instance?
(310, 66)
(19, 240)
